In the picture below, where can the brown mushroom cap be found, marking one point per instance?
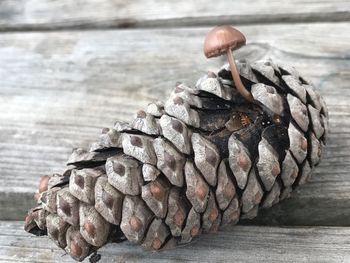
(222, 38)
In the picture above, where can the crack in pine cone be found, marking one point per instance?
(203, 159)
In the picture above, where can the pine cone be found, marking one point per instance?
(203, 159)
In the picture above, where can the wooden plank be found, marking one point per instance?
(53, 15)
(238, 244)
(58, 89)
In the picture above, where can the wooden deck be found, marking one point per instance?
(69, 68)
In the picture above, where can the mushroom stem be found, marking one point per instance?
(236, 78)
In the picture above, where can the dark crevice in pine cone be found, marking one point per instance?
(203, 159)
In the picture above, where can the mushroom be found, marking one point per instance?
(224, 39)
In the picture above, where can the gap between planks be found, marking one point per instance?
(129, 23)
(40, 15)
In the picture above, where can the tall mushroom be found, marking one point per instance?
(224, 39)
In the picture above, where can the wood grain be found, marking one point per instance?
(57, 15)
(240, 243)
(58, 89)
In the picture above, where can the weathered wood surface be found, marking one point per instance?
(52, 15)
(58, 90)
(238, 244)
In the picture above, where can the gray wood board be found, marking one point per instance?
(233, 244)
(54, 15)
(57, 90)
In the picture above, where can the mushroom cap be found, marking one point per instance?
(222, 38)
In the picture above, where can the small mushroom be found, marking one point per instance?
(224, 39)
